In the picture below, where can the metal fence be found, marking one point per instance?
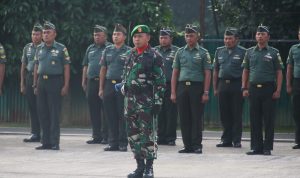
(13, 106)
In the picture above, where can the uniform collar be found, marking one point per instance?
(54, 45)
(165, 48)
(265, 48)
(103, 45)
(197, 47)
(122, 47)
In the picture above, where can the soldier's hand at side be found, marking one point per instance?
(22, 89)
(245, 93)
(83, 86)
(276, 94)
(289, 89)
(100, 94)
(35, 91)
(173, 97)
(205, 98)
(216, 92)
(64, 91)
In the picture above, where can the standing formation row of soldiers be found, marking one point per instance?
(152, 80)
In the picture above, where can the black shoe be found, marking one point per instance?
(224, 144)
(296, 146)
(111, 148)
(185, 150)
(104, 141)
(171, 143)
(148, 173)
(138, 173)
(123, 148)
(198, 151)
(255, 152)
(43, 147)
(267, 152)
(94, 141)
(32, 138)
(237, 145)
(55, 147)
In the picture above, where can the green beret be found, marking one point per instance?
(120, 28)
(48, 25)
(262, 28)
(140, 29)
(231, 31)
(37, 27)
(99, 28)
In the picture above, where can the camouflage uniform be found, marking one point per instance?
(144, 88)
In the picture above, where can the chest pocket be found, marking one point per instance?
(183, 61)
(109, 58)
(91, 56)
(252, 60)
(55, 57)
(296, 57)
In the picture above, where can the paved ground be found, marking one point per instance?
(79, 160)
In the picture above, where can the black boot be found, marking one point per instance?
(138, 173)
(148, 173)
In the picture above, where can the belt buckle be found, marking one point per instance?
(113, 81)
(188, 83)
(96, 78)
(45, 77)
(227, 81)
(259, 85)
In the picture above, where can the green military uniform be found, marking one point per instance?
(294, 61)
(28, 59)
(114, 59)
(262, 65)
(228, 64)
(2, 62)
(92, 61)
(51, 61)
(167, 118)
(191, 64)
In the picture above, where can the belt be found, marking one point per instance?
(113, 81)
(189, 83)
(228, 81)
(95, 78)
(46, 77)
(262, 85)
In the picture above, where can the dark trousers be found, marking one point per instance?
(49, 108)
(167, 118)
(114, 111)
(95, 103)
(190, 109)
(262, 113)
(31, 99)
(231, 110)
(296, 106)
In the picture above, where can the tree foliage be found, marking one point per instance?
(74, 21)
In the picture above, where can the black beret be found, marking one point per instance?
(37, 27)
(262, 28)
(120, 28)
(165, 32)
(48, 25)
(99, 28)
(231, 31)
(189, 28)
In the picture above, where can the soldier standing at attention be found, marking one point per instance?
(51, 77)
(190, 87)
(227, 83)
(293, 86)
(112, 64)
(90, 84)
(167, 118)
(261, 81)
(27, 69)
(143, 85)
(2, 66)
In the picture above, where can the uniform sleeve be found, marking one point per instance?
(290, 59)
(66, 56)
(207, 61)
(85, 60)
(216, 61)
(36, 55)
(278, 62)
(176, 62)
(245, 63)
(2, 55)
(103, 61)
(24, 57)
(159, 79)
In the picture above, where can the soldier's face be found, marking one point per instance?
(262, 37)
(99, 38)
(49, 35)
(165, 40)
(191, 39)
(140, 39)
(36, 37)
(230, 41)
(118, 37)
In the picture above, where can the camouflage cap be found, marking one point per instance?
(120, 28)
(165, 32)
(231, 31)
(48, 25)
(140, 29)
(99, 28)
(190, 28)
(262, 28)
(37, 27)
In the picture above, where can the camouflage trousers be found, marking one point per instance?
(142, 128)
